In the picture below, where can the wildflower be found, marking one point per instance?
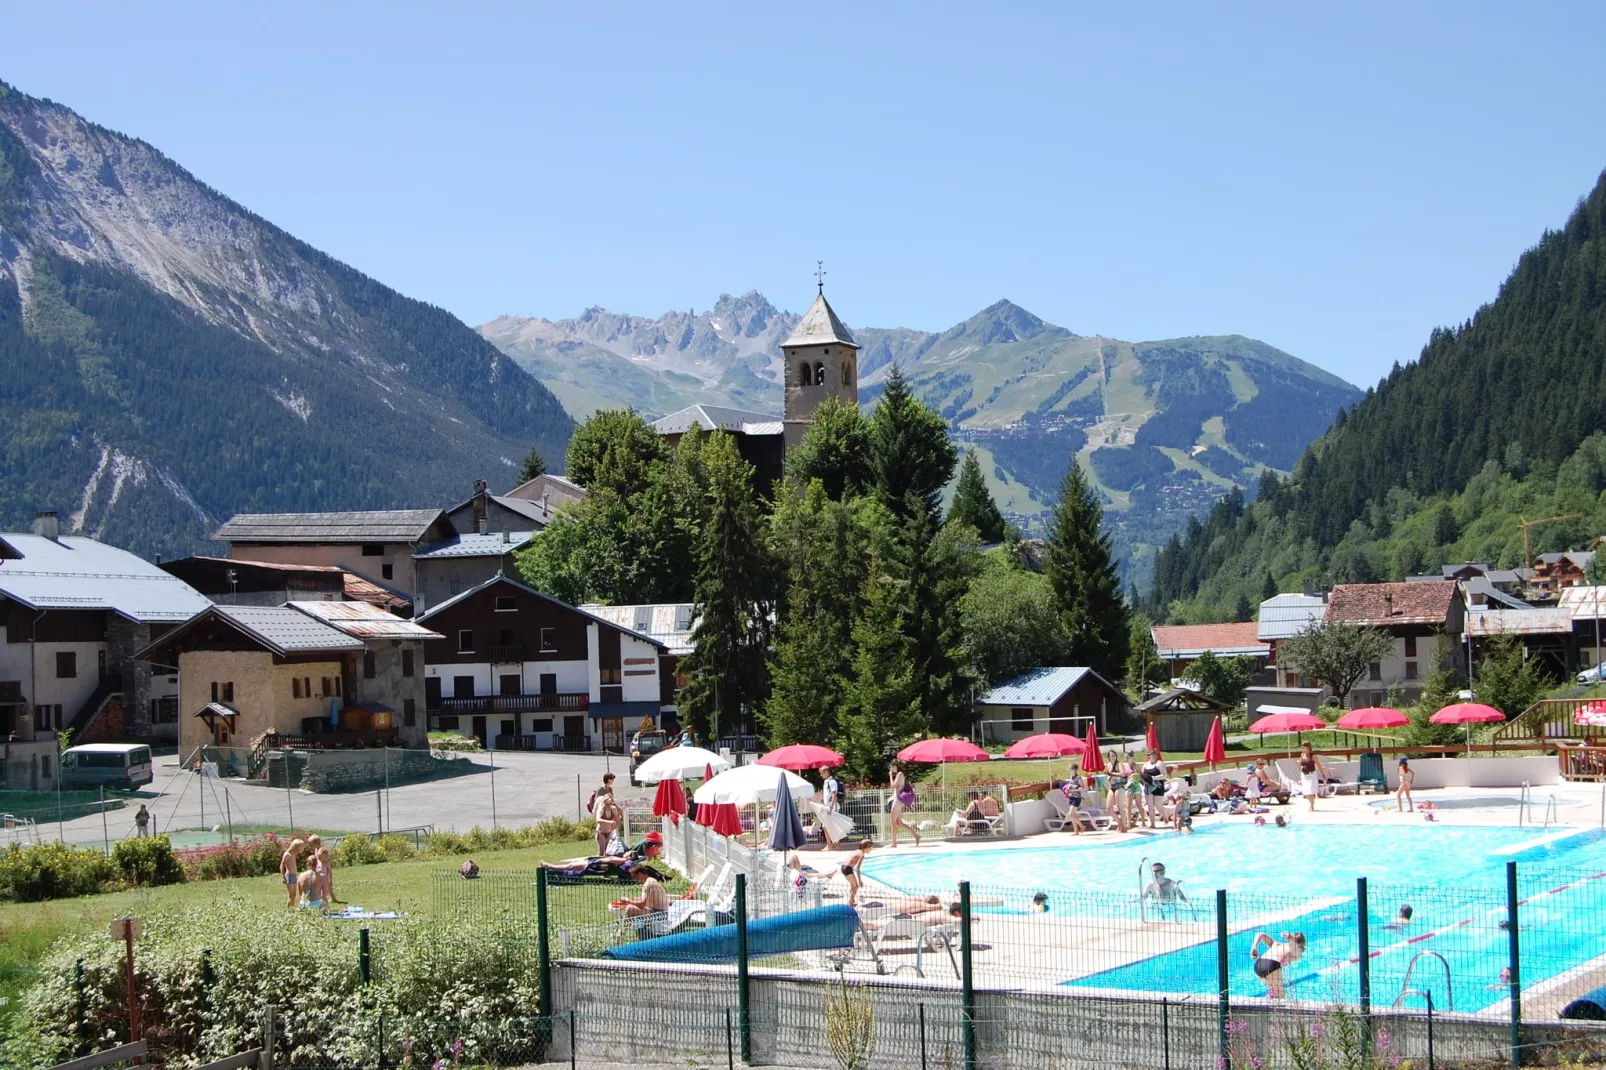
(438, 1064)
(1237, 1025)
(1318, 1030)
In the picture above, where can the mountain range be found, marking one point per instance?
(171, 358)
(1166, 428)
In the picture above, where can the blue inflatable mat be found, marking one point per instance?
(1590, 1007)
(805, 930)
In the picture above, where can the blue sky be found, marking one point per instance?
(1334, 180)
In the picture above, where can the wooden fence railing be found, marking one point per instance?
(1550, 719)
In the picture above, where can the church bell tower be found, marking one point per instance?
(822, 360)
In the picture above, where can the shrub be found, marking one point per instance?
(451, 741)
(256, 857)
(147, 861)
(52, 871)
(436, 980)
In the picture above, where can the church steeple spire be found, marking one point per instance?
(822, 360)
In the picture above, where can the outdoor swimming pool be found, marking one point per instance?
(1298, 879)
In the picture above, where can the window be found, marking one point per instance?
(387, 572)
(326, 689)
(505, 637)
(337, 687)
(306, 687)
(66, 665)
(506, 603)
(409, 713)
(41, 718)
(228, 691)
(1410, 670)
(612, 676)
(295, 687)
(407, 663)
(465, 642)
(448, 724)
(370, 665)
(803, 376)
(373, 549)
(847, 374)
(643, 618)
(1021, 719)
(214, 690)
(549, 640)
(1410, 647)
(1374, 671)
(541, 724)
(819, 375)
(682, 618)
(44, 766)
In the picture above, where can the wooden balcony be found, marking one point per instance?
(573, 703)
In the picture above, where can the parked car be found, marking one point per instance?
(115, 765)
(644, 746)
(1594, 675)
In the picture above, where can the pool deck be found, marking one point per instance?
(1027, 951)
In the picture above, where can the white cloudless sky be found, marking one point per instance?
(1333, 179)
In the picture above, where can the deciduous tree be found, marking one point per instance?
(1335, 653)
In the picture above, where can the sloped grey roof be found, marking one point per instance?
(491, 545)
(1284, 616)
(441, 607)
(1039, 687)
(819, 326)
(287, 630)
(718, 418)
(662, 622)
(361, 620)
(73, 572)
(1547, 621)
(379, 525)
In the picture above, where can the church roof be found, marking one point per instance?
(718, 418)
(819, 326)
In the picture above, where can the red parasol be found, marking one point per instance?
(708, 772)
(1288, 722)
(943, 750)
(801, 756)
(1374, 717)
(1153, 740)
(727, 822)
(1591, 713)
(1093, 760)
(1046, 745)
(1467, 713)
(1215, 749)
(670, 800)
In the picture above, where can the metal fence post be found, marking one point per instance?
(742, 1009)
(1364, 936)
(78, 988)
(572, 1056)
(730, 1050)
(265, 1061)
(364, 958)
(1516, 964)
(1165, 1031)
(922, 1010)
(967, 977)
(543, 943)
(1223, 977)
(1430, 1029)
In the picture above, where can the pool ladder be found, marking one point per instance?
(1407, 991)
(1525, 806)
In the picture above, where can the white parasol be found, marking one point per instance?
(680, 763)
(749, 784)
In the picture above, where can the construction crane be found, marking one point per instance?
(1527, 542)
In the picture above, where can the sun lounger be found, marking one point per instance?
(925, 937)
(664, 922)
(1091, 816)
(1371, 777)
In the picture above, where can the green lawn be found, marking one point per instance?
(27, 930)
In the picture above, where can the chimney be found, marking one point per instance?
(47, 524)
(481, 507)
(507, 536)
(1388, 603)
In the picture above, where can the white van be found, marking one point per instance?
(116, 765)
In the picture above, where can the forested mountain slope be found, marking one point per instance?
(1504, 404)
(169, 358)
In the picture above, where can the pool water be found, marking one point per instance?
(1313, 860)
(1302, 879)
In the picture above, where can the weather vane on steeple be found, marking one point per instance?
(819, 275)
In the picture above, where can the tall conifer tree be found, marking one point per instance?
(973, 504)
(1082, 571)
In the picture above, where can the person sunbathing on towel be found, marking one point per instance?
(937, 915)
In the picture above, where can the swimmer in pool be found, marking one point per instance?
(1402, 920)
(1271, 957)
(1040, 903)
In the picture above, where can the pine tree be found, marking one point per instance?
(1269, 588)
(973, 504)
(534, 465)
(911, 456)
(1081, 569)
(934, 566)
(734, 593)
(883, 706)
(1241, 610)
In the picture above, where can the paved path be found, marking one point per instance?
(525, 787)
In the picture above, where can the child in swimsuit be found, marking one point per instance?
(850, 870)
(1073, 801)
(289, 865)
(1270, 962)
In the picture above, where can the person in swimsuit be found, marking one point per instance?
(1163, 888)
(1402, 920)
(903, 797)
(289, 865)
(1312, 770)
(1073, 801)
(1402, 794)
(652, 900)
(1271, 957)
(323, 865)
(609, 818)
(1115, 788)
(850, 870)
(1152, 776)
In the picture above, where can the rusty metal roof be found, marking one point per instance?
(379, 525)
(364, 621)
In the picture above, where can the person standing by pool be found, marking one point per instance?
(903, 797)
(1312, 773)
(1277, 956)
(1115, 787)
(1073, 800)
(850, 871)
(1152, 776)
(1402, 794)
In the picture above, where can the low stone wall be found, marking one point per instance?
(359, 770)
